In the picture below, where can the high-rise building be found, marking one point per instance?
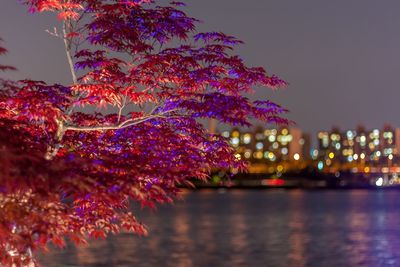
(270, 145)
(330, 144)
(360, 145)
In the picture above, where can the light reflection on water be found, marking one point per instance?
(298, 237)
(256, 228)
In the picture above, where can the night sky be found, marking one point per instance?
(341, 58)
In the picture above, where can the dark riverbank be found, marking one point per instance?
(340, 181)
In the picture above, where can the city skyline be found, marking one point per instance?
(313, 136)
(292, 143)
(340, 59)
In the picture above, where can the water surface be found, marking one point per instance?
(256, 228)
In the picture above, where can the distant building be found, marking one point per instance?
(359, 145)
(270, 145)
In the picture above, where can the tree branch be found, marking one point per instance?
(67, 45)
(53, 150)
(122, 125)
(120, 108)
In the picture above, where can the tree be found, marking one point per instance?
(69, 172)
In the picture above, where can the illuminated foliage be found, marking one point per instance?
(68, 172)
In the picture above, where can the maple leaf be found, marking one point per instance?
(70, 172)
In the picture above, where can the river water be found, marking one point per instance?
(256, 228)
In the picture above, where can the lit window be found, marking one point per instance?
(259, 145)
(284, 139)
(271, 156)
(387, 151)
(350, 135)
(235, 134)
(314, 154)
(371, 146)
(271, 138)
(235, 141)
(258, 155)
(247, 138)
(320, 165)
(387, 135)
(374, 134)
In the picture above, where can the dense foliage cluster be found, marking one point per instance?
(67, 172)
